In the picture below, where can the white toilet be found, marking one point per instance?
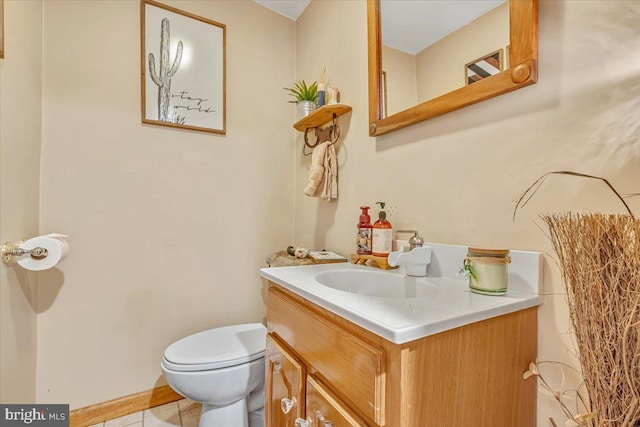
(222, 368)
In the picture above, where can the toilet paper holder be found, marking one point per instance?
(10, 250)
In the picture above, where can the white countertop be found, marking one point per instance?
(449, 304)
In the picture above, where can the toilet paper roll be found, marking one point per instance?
(54, 243)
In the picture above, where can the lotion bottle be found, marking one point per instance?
(382, 236)
(364, 232)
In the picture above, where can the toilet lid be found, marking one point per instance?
(217, 348)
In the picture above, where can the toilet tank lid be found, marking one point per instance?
(217, 348)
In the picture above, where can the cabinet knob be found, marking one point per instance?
(323, 422)
(303, 423)
(277, 367)
(287, 404)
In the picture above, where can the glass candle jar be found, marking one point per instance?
(487, 270)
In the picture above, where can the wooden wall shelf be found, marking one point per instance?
(321, 116)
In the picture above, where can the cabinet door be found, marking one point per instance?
(324, 409)
(284, 385)
(353, 367)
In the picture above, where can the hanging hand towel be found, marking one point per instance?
(330, 190)
(316, 173)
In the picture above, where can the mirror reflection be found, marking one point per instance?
(432, 47)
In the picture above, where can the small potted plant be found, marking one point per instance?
(305, 97)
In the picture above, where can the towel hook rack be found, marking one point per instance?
(330, 133)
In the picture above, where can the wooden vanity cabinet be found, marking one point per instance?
(468, 376)
(285, 377)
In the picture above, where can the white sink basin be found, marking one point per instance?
(400, 308)
(377, 283)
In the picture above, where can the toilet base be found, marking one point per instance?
(231, 415)
(256, 418)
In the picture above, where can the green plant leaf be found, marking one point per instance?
(301, 92)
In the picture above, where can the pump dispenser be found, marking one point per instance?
(364, 232)
(382, 234)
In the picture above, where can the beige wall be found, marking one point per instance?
(168, 227)
(454, 177)
(400, 71)
(20, 117)
(440, 68)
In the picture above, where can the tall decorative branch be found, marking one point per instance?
(599, 258)
(163, 78)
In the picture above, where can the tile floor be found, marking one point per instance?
(183, 413)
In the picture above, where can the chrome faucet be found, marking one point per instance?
(415, 241)
(416, 259)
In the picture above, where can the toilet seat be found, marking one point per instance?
(217, 348)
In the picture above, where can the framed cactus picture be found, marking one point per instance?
(183, 69)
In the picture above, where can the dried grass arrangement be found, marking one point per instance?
(599, 257)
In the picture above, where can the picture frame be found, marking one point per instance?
(183, 69)
(1, 28)
(483, 67)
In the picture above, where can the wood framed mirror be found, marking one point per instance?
(518, 67)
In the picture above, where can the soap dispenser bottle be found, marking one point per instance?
(382, 236)
(363, 239)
